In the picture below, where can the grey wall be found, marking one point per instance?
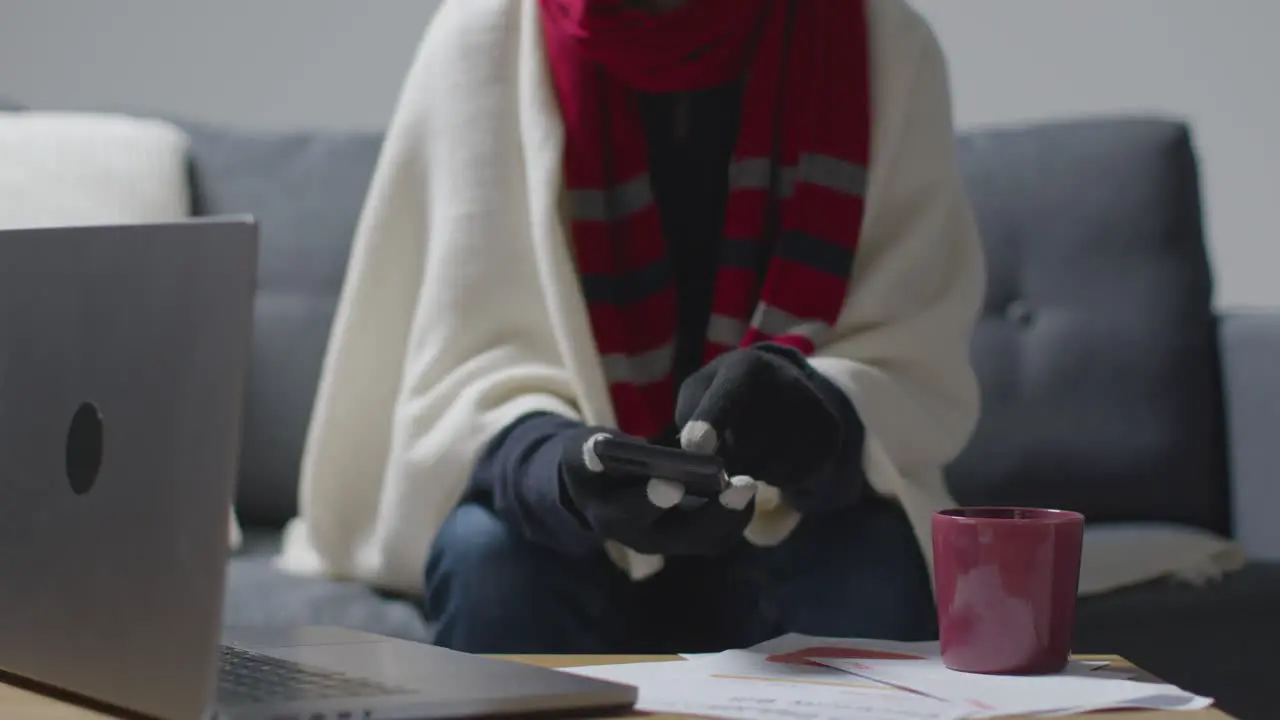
(257, 63)
(338, 64)
(1213, 62)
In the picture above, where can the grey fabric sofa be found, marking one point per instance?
(1110, 384)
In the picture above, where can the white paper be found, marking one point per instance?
(794, 647)
(795, 642)
(741, 684)
(1076, 689)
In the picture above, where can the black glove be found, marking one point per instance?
(772, 417)
(649, 515)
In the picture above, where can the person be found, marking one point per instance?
(734, 226)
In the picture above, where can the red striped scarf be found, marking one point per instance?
(797, 178)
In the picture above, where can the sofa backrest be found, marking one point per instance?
(1097, 347)
(1096, 350)
(306, 191)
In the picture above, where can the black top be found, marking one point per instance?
(691, 140)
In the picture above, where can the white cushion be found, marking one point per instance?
(90, 169)
(1118, 555)
(71, 168)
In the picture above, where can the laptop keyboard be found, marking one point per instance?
(246, 677)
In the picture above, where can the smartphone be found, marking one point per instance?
(701, 475)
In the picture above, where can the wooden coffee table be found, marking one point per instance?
(20, 704)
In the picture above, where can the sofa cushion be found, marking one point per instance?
(1217, 640)
(84, 168)
(1096, 350)
(306, 191)
(259, 595)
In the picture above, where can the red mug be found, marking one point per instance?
(1006, 581)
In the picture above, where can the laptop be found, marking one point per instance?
(123, 354)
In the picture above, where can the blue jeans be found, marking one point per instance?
(853, 573)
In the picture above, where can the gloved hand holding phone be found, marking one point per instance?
(764, 414)
(650, 515)
(772, 417)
